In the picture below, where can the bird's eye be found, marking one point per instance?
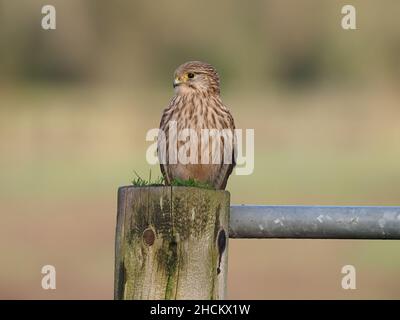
(190, 75)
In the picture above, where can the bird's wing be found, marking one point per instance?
(226, 169)
(164, 125)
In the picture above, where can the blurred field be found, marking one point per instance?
(61, 168)
(75, 106)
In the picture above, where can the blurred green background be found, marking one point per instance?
(76, 103)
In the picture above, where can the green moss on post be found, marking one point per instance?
(171, 243)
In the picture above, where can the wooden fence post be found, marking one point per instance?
(171, 243)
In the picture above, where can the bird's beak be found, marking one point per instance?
(177, 82)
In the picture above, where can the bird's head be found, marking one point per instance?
(196, 77)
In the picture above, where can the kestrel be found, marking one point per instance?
(197, 106)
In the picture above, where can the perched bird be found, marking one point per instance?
(197, 106)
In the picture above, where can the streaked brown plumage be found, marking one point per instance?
(197, 105)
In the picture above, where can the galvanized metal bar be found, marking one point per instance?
(314, 222)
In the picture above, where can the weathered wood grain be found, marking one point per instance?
(171, 243)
